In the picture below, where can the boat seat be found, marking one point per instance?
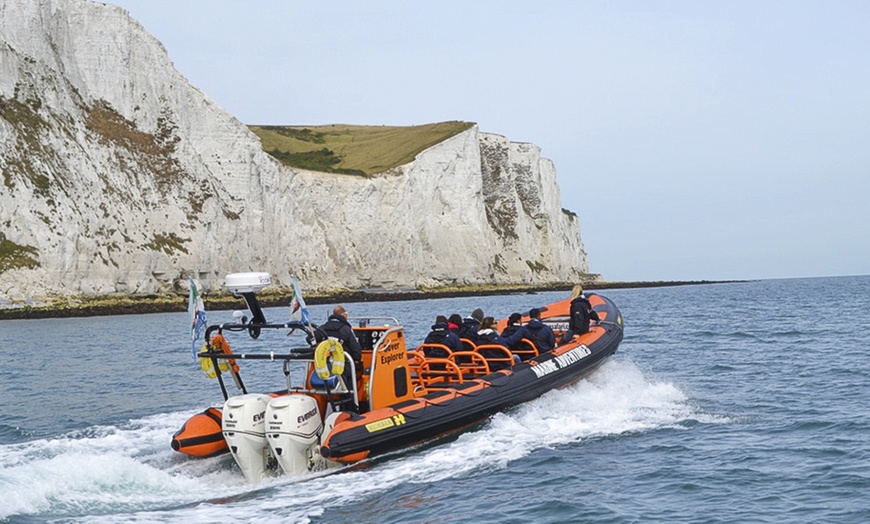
(334, 383)
(432, 350)
(471, 364)
(498, 356)
(439, 371)
(526, 349)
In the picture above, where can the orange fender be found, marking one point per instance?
(201, 435)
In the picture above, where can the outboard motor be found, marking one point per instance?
(244, 422)
(293, 427)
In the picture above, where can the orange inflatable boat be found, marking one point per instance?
(400, 396)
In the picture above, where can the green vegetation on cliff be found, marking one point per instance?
(353, 150)
(14, 256)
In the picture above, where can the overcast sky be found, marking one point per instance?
(694, 139)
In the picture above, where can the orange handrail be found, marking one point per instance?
(468, 344)
(439, 371)
(471, 363)
(415, 359)
(526, 350)
(432, 350)
(498, 356)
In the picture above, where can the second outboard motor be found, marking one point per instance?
(293, 427)
(243, 425)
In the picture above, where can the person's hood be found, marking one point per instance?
(534, 323)
(338, 318)
(439, 326)
(487, 331)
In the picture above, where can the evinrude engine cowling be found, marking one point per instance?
(293, 427)
(244, 423)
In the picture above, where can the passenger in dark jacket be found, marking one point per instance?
(440, 334)
(513, 325)
(536, 331)
(487, 334)
(454, 323)
(470, 325)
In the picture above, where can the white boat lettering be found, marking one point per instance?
(566, 359)
(545, 368)
(572, 356)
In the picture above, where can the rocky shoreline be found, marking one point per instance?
(139, 304)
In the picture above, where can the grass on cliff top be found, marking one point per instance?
(353, 150)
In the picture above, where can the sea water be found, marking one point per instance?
(738, 402)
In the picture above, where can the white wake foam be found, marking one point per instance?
(113, 472)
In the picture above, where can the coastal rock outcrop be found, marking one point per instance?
(118, 176)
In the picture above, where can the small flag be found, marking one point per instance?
(196, 312)
(298, 309)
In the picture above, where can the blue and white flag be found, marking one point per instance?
(298, 309)
(196, 312)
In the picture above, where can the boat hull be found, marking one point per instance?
(453, 408)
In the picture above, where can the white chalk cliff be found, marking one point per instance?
(119, 176)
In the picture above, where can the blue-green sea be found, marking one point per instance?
(737, 402)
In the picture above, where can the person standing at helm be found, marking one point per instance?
(339, 328)
(581, 313)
